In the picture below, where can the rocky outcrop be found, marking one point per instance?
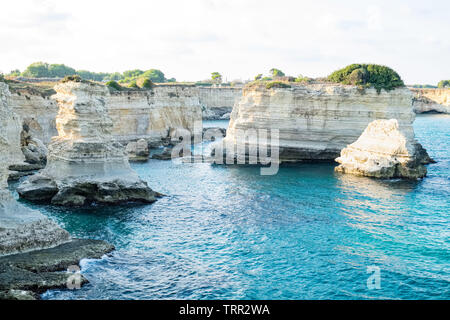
(384, 151)
(33, 149)
(21, 229)
(151, 114)
(217, 102)
(431, 100)
(24, 276)
(10, 126)
(138, 150)
(315, 121)
(84, 164)
(136, 114)
(37, 111)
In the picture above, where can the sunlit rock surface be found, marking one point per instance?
(21, 229)
(384, 151)
(431, 100)
(315, 121)
(84, 163)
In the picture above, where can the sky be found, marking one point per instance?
(238, 38)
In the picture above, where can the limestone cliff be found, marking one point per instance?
(384, 151)
(315, 121)
(151, 114)
(21, 229)
(84, 164)
(217, 102)
(136, 115)
(11, 126)
(38, 112)
(431, 100)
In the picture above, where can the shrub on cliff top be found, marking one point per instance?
(74, 78)
(144, 83)
(2, 78)
(277, 84)
(368, 75)
(114, 85)
(444, 84)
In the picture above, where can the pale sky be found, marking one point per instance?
(238, 38)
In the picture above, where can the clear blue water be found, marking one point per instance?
(306, 233)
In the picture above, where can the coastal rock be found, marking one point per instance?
(138, 150)
(25, 275)
(136, 114)
(431, 100)
(150, 114)
(21, 229)
(84, 163)
(10, 126)
(384, 151)
(315, 121)
(217, 102)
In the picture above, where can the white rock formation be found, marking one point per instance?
(135, 114)
(316, 121)
(431, 100)
(217, 102)
(84, 164)
(21, 229)
(11, 126)
(151, 114)
(138, 150)
(38, 112)
(384, 151)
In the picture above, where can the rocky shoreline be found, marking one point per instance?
(25, 276)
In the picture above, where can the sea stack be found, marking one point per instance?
(384, 151)
(21, 229)
(84, 163)
(315, 120)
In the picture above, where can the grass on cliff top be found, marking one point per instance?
(43, 89)
(368, 75)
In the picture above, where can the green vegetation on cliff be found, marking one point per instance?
(444, 84)
(45, 70)
(277, 84)
(368, 75)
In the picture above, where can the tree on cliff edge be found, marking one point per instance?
(276, 72)
(216, 77)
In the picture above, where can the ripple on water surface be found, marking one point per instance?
(306, 233)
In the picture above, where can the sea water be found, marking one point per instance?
(226, 232)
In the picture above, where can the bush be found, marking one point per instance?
(74, 78)
(444, 84)
(303, 79)
(277, 84)
(368, 75)
(114, 85)
(2, 78)
(133, 84)
(144, 83)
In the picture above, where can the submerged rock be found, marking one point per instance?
(84, 164)
(384, 151)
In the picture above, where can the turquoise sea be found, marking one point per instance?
(306, 233)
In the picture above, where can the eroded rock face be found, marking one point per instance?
(84, 164)
(315, 121)
(138, 150)
(384, 151)
(21, 229)
(10, 126)
(431, 100)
